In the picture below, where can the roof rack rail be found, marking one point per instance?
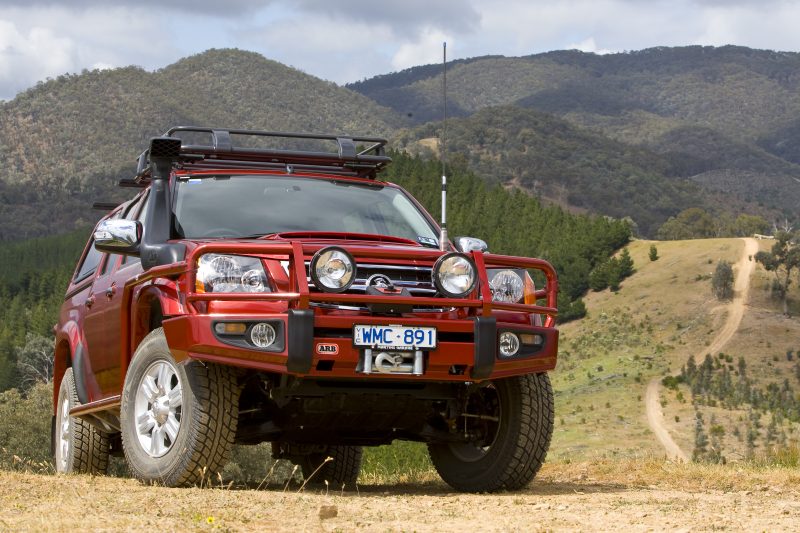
(222, 153)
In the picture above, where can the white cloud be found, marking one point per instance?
(351, 39)
(32, 54)
(40, 43)
(337, 52)
(589, 46)
(425, 49)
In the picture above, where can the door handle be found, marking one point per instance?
(111, 291)
(89, 301)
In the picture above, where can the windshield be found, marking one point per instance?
(247, 206)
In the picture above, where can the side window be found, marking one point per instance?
(131, 259)
(109, 264)
(89, 264)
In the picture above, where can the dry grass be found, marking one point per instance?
(644, 493)
(652, 473)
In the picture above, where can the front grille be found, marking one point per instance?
(415, 279)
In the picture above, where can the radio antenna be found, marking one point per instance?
(443, 147)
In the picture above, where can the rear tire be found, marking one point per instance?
(342, 469)
(517, 424)
(80, 447)
(178, 421)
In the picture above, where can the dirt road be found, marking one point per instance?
(638, 495)
(735, 309)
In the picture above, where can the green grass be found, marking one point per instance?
(398, 462)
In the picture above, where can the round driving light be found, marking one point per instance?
(509, 344)
(333, 269)
(262, 335)
(454, 275)
(507, 286)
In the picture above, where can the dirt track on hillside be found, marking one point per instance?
(735, 309)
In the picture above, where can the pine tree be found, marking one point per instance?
(626, 264)
(772, 431)
(614, 274)
(653, 252)
(598, 278)
(700, 439)
(717, 432)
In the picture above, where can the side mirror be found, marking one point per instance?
(468, 244)
(118, 236)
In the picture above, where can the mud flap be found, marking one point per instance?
(485, 347)
(53, 437)
(301, 340)
(77, 372)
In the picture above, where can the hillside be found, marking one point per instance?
(565, 164)
(743, 91)
(726, 117)
(66, 142)
(663, 315)
(642, 134)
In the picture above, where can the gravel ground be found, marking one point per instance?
(597, 496)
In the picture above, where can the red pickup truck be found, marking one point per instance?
(252, 294)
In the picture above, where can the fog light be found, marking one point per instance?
(230, 328)
(262, 335)
(509, 344)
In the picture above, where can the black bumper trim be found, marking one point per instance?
(301, 340)
(485, 347)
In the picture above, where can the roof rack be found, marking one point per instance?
(222, 154)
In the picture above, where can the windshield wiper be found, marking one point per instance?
(256, 235)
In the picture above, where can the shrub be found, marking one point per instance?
(35, 360)
(653, 252)
(25, 427)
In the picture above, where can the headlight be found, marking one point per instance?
(231, 273)
(333, 269)
(507, 286)
(454, 275)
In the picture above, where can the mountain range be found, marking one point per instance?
(641, 134)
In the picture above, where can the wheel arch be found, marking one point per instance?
(153, 304)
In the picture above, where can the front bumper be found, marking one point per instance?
(467, 349)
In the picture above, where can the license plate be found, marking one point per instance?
(394, 337)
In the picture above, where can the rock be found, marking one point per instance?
(328, 511)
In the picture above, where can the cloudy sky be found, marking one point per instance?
(347, 40)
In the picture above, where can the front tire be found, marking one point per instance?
(80, 447)
(178, 421)
(512, 423)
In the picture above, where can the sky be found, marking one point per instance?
(349, 40)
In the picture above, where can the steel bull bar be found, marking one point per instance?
(478, 306)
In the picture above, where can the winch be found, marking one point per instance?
(409, 363)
